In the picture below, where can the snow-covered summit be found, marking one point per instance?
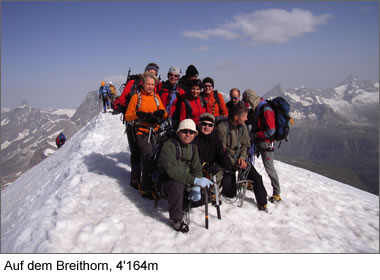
(352, 100)
(79, 200)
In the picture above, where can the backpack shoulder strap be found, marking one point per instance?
(203, 101)
(138, 105)
(216, 96)
(189, 109)
(156, 100)
(178, 151)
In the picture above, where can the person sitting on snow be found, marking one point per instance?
(181, 169)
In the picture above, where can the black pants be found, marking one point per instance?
(135, 157)
(145, 150)
(258, 187)
(229, 186)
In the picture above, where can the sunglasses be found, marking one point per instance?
(207, 124)
(188, 131)
(205, 86)
(235, 98)
(173, 75)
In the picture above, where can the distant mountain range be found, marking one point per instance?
(28, 134)
(336, 131)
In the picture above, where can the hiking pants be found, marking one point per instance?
(145, 150)
(175, 193)
(135, 157)
(229, 184)
(267, 157)
(258, 187)
(105, 102)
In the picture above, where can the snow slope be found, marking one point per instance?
(79, 201)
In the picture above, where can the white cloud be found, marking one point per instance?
(203, 48)
(264, 26)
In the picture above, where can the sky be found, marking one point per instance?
(53, 53)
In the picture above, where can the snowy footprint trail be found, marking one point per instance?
(79, 201)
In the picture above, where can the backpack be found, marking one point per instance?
(281, 110)
(112, 90)
(134, 89)
(158, 177)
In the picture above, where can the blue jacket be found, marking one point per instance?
(103, 91)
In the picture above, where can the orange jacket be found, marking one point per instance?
(213, 106)
(148, 105)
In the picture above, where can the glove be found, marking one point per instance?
(203, 182)
(159, 114)
(195, 194)
(144, 116)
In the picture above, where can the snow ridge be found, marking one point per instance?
(79, 201)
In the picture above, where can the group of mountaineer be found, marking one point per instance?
(107, 94)
(198, 136)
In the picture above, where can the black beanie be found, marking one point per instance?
(208, 80)
(191, 71)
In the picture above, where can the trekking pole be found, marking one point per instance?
(206, 207)
(150, 134)
(217, 203)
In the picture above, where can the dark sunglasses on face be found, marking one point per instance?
(207, 124)
(187, 131)
(173, 75)
(235, 98)
(205, 86)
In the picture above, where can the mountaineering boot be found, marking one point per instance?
(135, 183)
(263, 208)
(275, 198)
(179, 225)
(148, 195)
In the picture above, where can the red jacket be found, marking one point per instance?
(126, 92)
(196, 109)
(164, 91)
(266, 124)
(213, 107)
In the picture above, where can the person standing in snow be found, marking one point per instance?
(103, 94)
(112, 94)
(192, 105)
(181, 169)
(170, 93)
(234, 98)
(144, 113)
(263, 127)
(131, 88)
(235, 139)
(60, 140)
(185, 81)
(214, 100)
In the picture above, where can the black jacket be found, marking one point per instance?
(211, 151)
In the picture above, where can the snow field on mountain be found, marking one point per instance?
(79, 201)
